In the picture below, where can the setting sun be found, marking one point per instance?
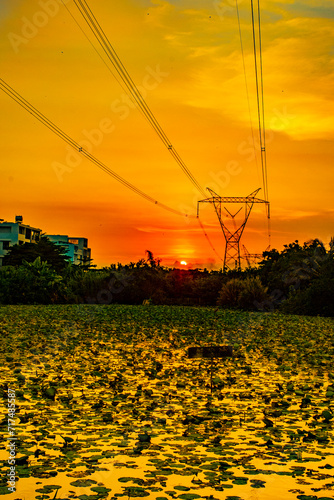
(183, 263)
(188, 66)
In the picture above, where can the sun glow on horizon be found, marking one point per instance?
(190, 68)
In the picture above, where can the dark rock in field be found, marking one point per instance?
(210, 352)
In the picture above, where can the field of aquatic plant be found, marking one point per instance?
(108, 405)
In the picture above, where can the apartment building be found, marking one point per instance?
(77, 247)
(16, 233)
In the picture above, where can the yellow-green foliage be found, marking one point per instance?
(246, 293)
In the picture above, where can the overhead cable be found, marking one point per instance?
(60, 133)
(262, 105)
(208, 239)
(260, 97)
(131, 87)
(246, 82)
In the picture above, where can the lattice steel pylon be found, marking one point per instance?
(232, 248)
(253, 259)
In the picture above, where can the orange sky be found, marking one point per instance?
(185, 55)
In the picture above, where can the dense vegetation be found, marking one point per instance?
(299, 280)
(108, 404)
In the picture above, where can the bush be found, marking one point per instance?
(246, 294)
(317, 299)
(88, 286)
(31, 283)
(253, 294)
(206, 288)
(230, 293)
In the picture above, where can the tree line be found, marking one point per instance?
(297, 280)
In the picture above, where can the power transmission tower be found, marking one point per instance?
(232, 248)
(253, 259)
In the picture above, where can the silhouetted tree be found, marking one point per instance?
(54, 255)
(151, 260)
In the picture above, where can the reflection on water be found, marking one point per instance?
(113, 407)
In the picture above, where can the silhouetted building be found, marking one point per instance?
(76, 248)
(16, 233)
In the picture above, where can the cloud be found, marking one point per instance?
(202, 106)
(313, 8)
(297, 61)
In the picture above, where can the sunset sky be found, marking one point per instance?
(185, 57)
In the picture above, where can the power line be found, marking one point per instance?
(262, 103)
(88, 39)
(246, 82)
(257, 94)
(260, 106)
(259, 97)
(208, 239)
(60, 133)
(133, 91)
